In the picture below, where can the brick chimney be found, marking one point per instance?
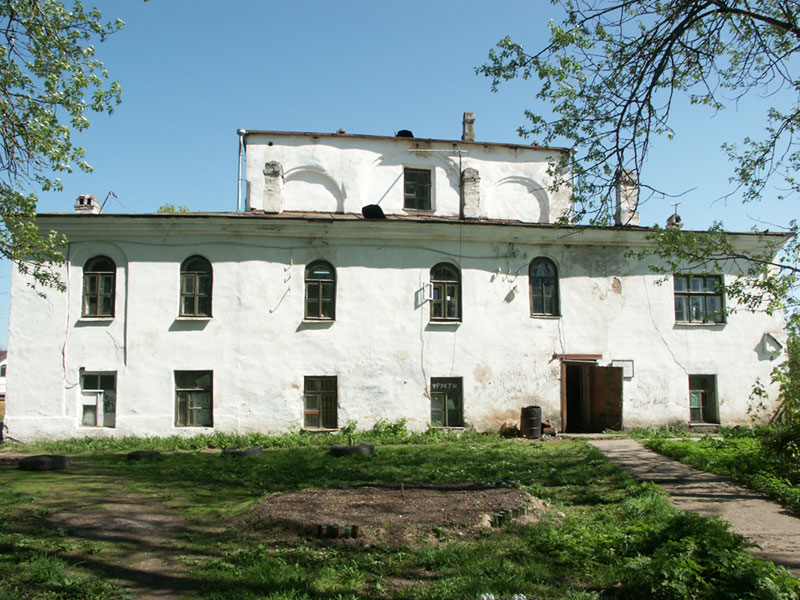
(468, 127)
(87, 204)
(627, 209)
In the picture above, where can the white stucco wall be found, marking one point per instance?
(343, 173)
(382, 346)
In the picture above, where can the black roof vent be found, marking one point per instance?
(404, 133)
(372, 211)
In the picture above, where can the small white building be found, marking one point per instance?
(374, 278)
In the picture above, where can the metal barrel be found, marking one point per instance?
(531, 422)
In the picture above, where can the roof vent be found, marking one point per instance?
(404, 133)
(372, 211)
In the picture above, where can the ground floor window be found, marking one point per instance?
(99, 399)
(194, 391)
(447, 402)
(321, 403)
(703, 399)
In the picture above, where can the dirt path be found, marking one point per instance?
(749, 513)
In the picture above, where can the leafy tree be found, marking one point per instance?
(609, 74)
(171, 208)
(49, 81)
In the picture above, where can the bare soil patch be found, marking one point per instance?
(394, 515)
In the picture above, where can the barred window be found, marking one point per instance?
(320, 403)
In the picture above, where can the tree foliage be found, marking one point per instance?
(608, 77)
(49, 81)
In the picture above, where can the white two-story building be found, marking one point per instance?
(370, 278)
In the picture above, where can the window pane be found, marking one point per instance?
(681, 308)
(311, 420)
(187, 283)
(327, 309)
(188, 305)
(203, 306)
(713, 309)
(696, 284)
(107, 382)
(328, 290)
(713, 284)
(312, 291)
(203, 284)
(91, 284)
(91, 382)
(697, 309)
(679, 283)
(437, 409)
(107, 307)
(89, 418)
(107, 284)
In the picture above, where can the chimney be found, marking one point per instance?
(87, 204)
(627, 212)
(470, 194)
(675, 220)
(468, 127)
(266, 193)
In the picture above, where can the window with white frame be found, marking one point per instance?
(194, 391)
(320, 280)
(99, 399)
(445, 293)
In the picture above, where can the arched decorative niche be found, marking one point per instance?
(519, 199)
(310, 188)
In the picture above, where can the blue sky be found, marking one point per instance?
(195, 71)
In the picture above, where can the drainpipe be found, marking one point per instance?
(242, 133)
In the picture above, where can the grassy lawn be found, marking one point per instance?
(764, 459)
(605, 535)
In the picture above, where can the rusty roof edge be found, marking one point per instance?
(352, 217)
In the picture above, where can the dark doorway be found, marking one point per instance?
(592, 398)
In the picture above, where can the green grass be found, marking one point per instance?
(765, 459)
(617, 539)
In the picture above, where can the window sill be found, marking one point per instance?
(319, 320)
(693, 324)
(319, 430)
(546, 317)
(443, 325)
(419, 211)
(190, 318)
(96, 319)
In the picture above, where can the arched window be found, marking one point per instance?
(446, 293)
(99, 284)
(544, 287)
(196, 284)
(320, 291)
